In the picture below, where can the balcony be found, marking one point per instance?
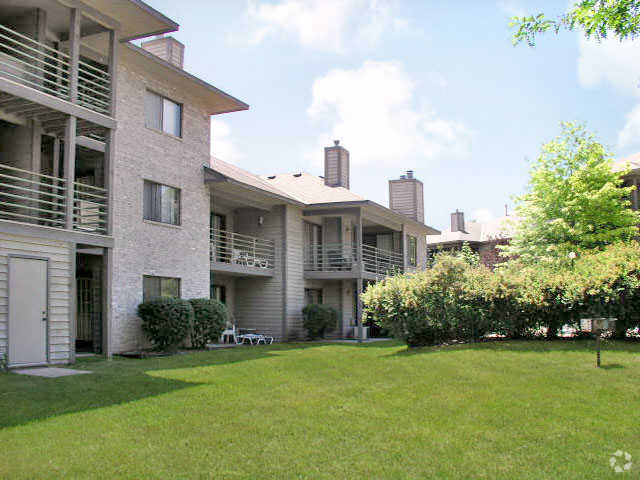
(39, 199)
(25, 62)
(241, 255)
(340, 261)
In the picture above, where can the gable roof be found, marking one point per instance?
(310, 189)
(477, 232)
(632, 161)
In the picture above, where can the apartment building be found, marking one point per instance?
(632, 163)
(282, 241)
(102, 197)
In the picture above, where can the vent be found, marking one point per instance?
(271, 177)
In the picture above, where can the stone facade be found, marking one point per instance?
(148, 248)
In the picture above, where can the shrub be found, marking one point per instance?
(319, 320)
(166, 321)
(209, 319)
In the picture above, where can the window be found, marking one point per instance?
(163, 114)
(413, 251)
(312, 295)
(219, 292)
(156, 287)
(161, 203)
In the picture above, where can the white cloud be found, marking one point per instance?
(630, 134)
(610, 62)
(512, 8)
(223, 145)
(482, 215)
(329, 25)
(371, 110)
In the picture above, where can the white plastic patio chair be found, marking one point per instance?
(229, 332)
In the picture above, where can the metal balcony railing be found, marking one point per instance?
(381, 262)
(36, 65)
(329, 257)
(37, 198)
(238, 249)
(90, 208)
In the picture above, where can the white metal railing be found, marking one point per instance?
(36, 65)
(381, 262)
(330, 257)
(240, 249)
(32, 197)
(90, 208)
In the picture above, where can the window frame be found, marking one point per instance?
(160, 278)
(162, 113)
(152, 183)
(314, 293)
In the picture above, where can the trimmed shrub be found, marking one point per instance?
(318, 320)
(209, 319)
(166, 321)
(459, 300)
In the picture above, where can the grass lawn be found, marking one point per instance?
(497, 410)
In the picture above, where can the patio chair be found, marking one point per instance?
(229, 331)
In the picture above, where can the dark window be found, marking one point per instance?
(312, 295)
(413, 251)
(219, 292)
(163, 114)
(156, 287)
(161, 203)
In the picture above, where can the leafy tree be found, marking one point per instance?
(574, 201)
(597, 18)
(468, 255)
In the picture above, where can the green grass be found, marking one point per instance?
(497, 410)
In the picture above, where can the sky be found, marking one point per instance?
(432, 86)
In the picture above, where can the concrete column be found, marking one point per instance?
(74, 53)
(69, 168)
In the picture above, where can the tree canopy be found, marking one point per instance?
(574, 201)
(596, 18)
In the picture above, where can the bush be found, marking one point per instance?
(166, 321)
(319, 320)
(459, 300)
(209, 320)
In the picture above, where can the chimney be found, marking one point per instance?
(167, 48)
(406, 196)
(457, 221)
(336, 165)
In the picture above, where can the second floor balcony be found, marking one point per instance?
(341, 260)
(241, 255)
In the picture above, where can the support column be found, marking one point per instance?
(74, 54)
(114, 42)
(634, 195)
(403, 247)
(73, 302)
(107, 279)
(69, 168)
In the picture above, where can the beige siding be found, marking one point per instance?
(421, 243)
(259, 301)
(60, 291)
(295, 273)
(229, 283)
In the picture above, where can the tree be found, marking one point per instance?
(574, 201)
(597, 18)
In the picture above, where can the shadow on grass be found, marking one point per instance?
(537, 346)
(25, 399)
(611, 366)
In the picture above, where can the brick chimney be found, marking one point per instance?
(406, 196)
(457, 221)
(167, 48)
(336, 165)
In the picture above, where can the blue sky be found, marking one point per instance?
(432, 86)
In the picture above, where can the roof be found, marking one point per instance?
(477, 232)
(310, 189)
(632, 161)
(303, 189)
(235, 174)
(214, 100)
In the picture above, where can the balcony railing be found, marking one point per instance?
(242, 250)
(330, 257)
(36, 65)
(381, 262)
(37, 198)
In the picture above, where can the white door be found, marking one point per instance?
(27, 311)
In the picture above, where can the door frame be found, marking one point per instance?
(28, 257)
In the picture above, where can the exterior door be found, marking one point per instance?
(27, 310)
